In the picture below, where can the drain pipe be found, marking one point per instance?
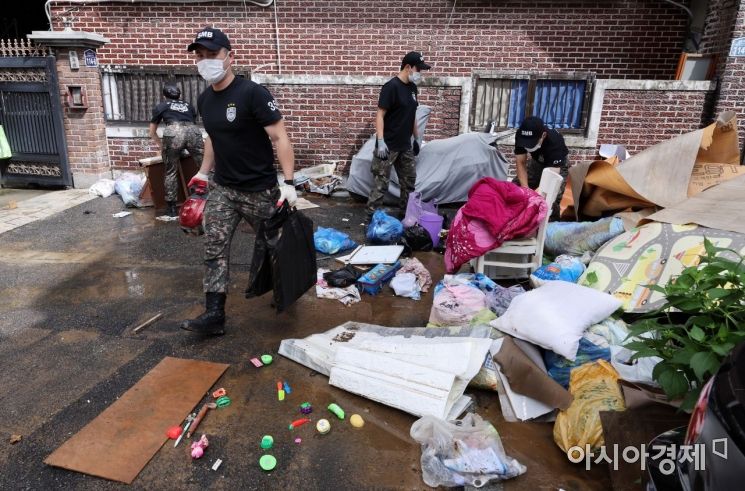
(276, 33)
(48, 4)
(696, 20)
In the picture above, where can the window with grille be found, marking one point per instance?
(130, 92)
(562, 100)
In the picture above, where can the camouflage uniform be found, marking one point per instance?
(177, 137)
(534, 170)
(224, 210)
(405, 165)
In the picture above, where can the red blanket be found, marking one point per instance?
(496, 211)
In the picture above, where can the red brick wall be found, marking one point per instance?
(126, 152)
(85, 130)
(635, 39)
(638, 119)
(731, 94)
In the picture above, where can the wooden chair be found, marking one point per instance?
(518, 258)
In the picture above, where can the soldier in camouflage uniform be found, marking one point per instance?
(397, 134)
(242, 121)
(179, 134)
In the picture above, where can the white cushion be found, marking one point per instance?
(556, 315)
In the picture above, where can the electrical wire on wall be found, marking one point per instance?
(48, 4)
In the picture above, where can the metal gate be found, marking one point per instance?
(31, 116)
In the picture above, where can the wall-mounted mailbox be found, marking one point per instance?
(76, 98)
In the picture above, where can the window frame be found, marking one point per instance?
(533, 78)
(151, 74)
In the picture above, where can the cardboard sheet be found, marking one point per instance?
(720, 207)
(663, 175)
(529, 379)
(130, 431)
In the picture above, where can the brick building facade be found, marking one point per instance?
(325, 66)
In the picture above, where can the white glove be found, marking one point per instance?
(287, 193)
(381, 149)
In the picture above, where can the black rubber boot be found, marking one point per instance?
(212, 321)
(172, 209)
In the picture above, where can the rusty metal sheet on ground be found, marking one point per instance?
(130, 431)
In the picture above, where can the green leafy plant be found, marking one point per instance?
(702, 319)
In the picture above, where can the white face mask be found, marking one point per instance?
(415, 78)
(212, 69)
(534, 148)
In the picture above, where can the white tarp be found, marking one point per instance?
(417, 370)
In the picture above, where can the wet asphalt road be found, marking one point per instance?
(74, 285)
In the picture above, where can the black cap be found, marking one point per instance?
(414, 58)
(210, 38)
(530, 132)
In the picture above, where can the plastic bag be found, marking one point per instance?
(331, 241)
(464, 452)
(638, 371)
(384, 229)
(455, 305)
(417, 238)
(559, 368)
(405, 285)
(284, 259)
(595, 388)
(499, 298)
(103, 188)
(564, 268)
(129, 186)
(415, 207)
(342, 278)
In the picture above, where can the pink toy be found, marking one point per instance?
(198, 447)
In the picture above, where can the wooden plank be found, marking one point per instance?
(130, 431)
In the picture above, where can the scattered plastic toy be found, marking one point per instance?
(219, 393)
(356, 421)
(256, 362)
(174, 432)
(224, 401)
(198, 447)
(298, 422)
(298, 440)
(287, 388)
(323, 426)
(336, 410)
(306, 408)
(266, 359)
(280, 391)
(267, 442)
(267, 462)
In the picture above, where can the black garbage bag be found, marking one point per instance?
(417, 238)
(284, 258)
(342, 278)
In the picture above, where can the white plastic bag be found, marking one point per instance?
(103, 188)
(129, 186)
(637, 371)
(405, 285)
(463, 452)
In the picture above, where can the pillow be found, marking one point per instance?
(556, 315)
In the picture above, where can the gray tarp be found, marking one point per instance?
(446, 169)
